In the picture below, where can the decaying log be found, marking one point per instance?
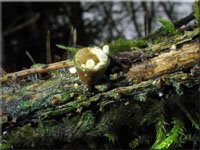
(61, 113)
(165, 63)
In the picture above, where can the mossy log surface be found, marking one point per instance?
(61, 113)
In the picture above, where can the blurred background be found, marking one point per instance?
(25, 26)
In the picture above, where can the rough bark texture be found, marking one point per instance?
(164, 63)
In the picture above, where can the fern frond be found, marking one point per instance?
(172, 136)
(160, 130)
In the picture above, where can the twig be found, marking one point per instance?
(30, 57)
(21, 26)
(46, 68)
(146, 24)
(190, 27)
(3, 72)
(184, 20)
(74, 37)
(33, 61)
(48, 48)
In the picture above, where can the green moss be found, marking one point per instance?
(168, 26)
(172, 136)
(37, 65)
(126, 45)
(27, 105)
(102, 87)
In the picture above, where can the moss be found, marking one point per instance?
(168, 27)
(102, 87)
(126, 45)
(37, 65)
(173, 134)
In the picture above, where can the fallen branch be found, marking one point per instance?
(165, 63)
(45, 68)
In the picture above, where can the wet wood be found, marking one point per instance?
(165, 63)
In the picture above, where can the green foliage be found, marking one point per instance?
(197, 12)
(126, 45)
(37, 65)
(27, 105)
(168, 26)
(169, 133)
(160, 130)
(4, 145)
(71, 49)
(172, 136)
(111, 137)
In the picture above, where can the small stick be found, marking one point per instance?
(184, 20)
(146, 24)
(188, 28)
(30, 57)
(33, 61)
(46, 68)
(48, 48)
(74, 37)
(3, 72)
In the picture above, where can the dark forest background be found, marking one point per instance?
(25, 25)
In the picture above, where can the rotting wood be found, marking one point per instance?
(67, 112)
(165, 63)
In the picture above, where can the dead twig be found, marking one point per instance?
(46, 68)
(48, 48)
(146, 24)
(184, 20)
(30, 57)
